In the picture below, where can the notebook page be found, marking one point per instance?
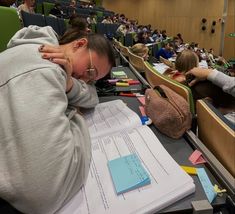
(110, 117)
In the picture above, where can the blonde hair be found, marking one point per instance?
(186, 60)
(139, 49)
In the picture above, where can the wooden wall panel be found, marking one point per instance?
(229, 42)
(179, 16)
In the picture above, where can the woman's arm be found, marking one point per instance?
(78, 92)
(220, 79)
(56, 55)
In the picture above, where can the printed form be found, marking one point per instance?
(169, 183)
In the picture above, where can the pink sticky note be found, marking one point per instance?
(196, 157)
(142, 110)
(142, 100)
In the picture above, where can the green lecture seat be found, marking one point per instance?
(154, 78)
(47, 6)
(9, 25)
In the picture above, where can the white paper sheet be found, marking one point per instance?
(160, 67)
(110, 117)
(169, 182)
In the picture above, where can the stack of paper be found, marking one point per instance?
(116, 132)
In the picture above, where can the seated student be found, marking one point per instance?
(156, 35)
(72, 8)
(211, 56)
(57, 11)
(122, 30)
(220, 79)
(186, 61)
(179, 36)
(80, 23)
(166, 51)
(163, 35)
(27, 6)
(107, 20)
(7, 3)
(92, 18)
(45, 144)
(141, 50)
(142, 37)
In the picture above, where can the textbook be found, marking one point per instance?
(117, 131)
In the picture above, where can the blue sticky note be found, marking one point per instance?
(128, 173)
(206, 184)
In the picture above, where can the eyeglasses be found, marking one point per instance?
(91, 72)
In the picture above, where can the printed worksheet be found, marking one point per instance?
(169, 183)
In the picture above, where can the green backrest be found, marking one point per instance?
(93, 28)
(39, 8)
(99, 13)
(121, 39)
(66, 23)
(47, 6)
(174, 83)
(9, 25)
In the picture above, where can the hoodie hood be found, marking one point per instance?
(34, 35)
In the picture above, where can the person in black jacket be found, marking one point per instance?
(57, 11)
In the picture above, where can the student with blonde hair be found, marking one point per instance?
(186, 69)
(141, 50)
(185, 61)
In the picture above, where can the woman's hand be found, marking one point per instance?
(199, 73)
(56, 54)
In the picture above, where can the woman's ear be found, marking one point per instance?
(80, 43)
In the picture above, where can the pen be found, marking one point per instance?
(131, 94)
(122, 84)
(134, 82)
(127, 94)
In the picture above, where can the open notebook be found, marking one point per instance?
(117, 131)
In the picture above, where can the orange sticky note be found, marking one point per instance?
(196, 157)
(142, 100)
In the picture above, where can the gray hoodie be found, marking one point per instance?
(224, 81)
(44, 144)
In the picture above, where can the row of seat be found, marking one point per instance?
(154, 78)
(58, 24)
(128, 40)
(213, 129)
(107, 29)
(13, 23)
(45, 7)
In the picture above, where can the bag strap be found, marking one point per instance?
(162, 93)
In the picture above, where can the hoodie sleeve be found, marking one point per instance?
(48, 153)
(83, 95)
(224, 81)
